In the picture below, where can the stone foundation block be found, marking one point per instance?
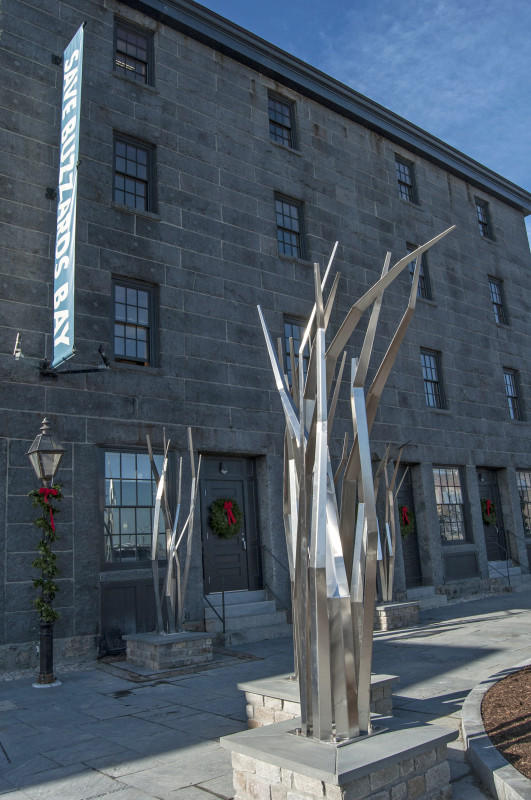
(392, 616)
(276, 699)
(168, 650)
(274, 764)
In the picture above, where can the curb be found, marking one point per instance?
(502, 780)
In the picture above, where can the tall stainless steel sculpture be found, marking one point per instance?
(330, 519)
(169, 603)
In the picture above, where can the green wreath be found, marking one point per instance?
(406, 527)
(226, 521)
(488, 519)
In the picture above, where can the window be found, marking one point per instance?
(289, 227)
(130, 492)
(133, 53)
(281, 119)
(133, 174)
(431, 372)
(450, 508)
(485, 227)
(133, 322)
(294, 329)
(523, 481)
(497, 299)
(512, 390)
(405, 173)
(424, 287)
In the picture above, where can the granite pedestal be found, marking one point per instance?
(162, 651)
(276, 699)
(406, 762)
(392, 616)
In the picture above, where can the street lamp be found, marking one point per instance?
(45, 455)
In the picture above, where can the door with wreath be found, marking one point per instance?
(229, 525)
(491, 513)
(408, 529)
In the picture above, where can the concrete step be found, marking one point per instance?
(279, 631)
(521, 583)
(242, 609)
(426, 597)
(232, 598)
(246, 622)
(500, 569)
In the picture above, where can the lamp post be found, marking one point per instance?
(45, 455)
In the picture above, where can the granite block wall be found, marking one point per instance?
(208, 248)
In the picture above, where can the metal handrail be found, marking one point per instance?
(282, 605)
(268, 550)
(508, 555)
(220, 576)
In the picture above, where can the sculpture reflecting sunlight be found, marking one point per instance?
(330, 519)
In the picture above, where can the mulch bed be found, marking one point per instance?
(506, 712)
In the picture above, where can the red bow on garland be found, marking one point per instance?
(47, 493)
(231, 519)
(405, 518)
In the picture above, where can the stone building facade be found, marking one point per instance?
(214, 170)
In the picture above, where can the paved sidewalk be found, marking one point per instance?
(110, 733)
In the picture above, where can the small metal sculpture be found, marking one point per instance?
(170, 603)
(330, 520)
(387, 531)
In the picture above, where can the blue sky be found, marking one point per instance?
(460, 69)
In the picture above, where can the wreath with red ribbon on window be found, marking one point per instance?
(488, 512)
(226, 517)
(407, 521)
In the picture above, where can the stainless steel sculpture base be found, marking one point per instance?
(330, 519)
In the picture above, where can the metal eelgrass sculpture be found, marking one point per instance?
(173, 595)
(330, 520)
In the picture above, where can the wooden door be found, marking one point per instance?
(494, 533)
(410, 544)
(230, 564)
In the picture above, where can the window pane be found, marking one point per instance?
(128, 463)
(449, 499)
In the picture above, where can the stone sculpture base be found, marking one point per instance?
(163, 651)
(403, 762)
(276, 699)
(391, 616)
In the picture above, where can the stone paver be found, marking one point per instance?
(102, 734)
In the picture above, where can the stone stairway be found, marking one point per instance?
(513, 578)
(249, 617)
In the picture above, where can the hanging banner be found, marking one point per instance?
(65, 241)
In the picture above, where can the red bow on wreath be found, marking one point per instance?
(405, 518)
(231, 519)
(489, 508)
(47, 493)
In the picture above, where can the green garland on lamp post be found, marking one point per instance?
(46, 561)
